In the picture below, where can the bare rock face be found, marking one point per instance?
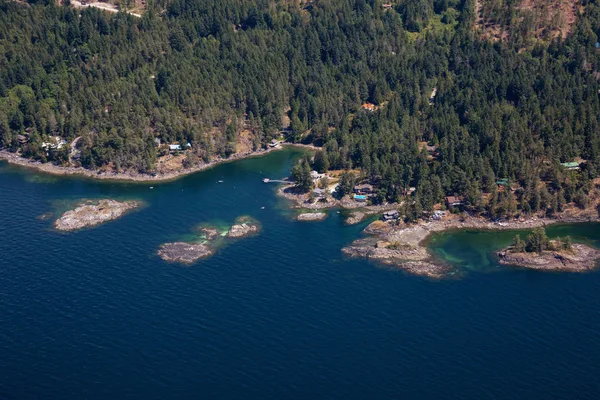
(182, 252)
(311, 217)
(210, 233)
(355, 217)
(581, 258)
(243, 227)
(378, 228)
(93, 214)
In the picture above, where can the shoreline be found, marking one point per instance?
(51, 169)
(406, 247)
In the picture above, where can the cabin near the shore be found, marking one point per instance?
(22, 139)
(454, 201)
(391, 215)
(363, 189)
(274, 143)
(177, 147)
(54, 143)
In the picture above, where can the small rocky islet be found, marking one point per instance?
(91, 213)
(580, 258)
(312, 216)
(210, 240)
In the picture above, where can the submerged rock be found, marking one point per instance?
(243, 227)
(580, 258)
(182, 252)
(311, 216)
(93, 214)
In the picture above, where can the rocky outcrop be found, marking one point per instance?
(210, 233)
(182, 252)
(580, 258)
(311, 217)
(242, 230)
(92, 214)
(243, 227)
(355, 217)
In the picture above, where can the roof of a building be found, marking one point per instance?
(363, 186)
(453, 199)
(369, 106)
(571, 164)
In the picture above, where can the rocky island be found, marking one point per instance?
(582, 258)
(186, 253)
(539, 253)
(243, 227)
(209, 240)
(92, 213)
(315, 216)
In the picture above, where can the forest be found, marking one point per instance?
(453, 112)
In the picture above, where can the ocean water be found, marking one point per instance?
(95, 314)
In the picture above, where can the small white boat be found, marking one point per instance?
(219, 181)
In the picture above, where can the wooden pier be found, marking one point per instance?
(267, 180)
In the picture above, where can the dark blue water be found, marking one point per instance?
(96, 314)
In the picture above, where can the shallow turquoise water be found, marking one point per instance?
(96, 314)
(473, 250)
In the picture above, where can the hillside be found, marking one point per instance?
(529, 20)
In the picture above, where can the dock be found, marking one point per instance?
(267, 180)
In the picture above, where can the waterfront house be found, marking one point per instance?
(363, 189)
(177, 147)
(23, 139)
(453, 201)
(56, 142)
(390, 215)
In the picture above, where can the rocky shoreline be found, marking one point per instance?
(404, 246)
(93, 213)
(580, 258)
(52, 169)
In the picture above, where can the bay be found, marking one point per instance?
(97, 314)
